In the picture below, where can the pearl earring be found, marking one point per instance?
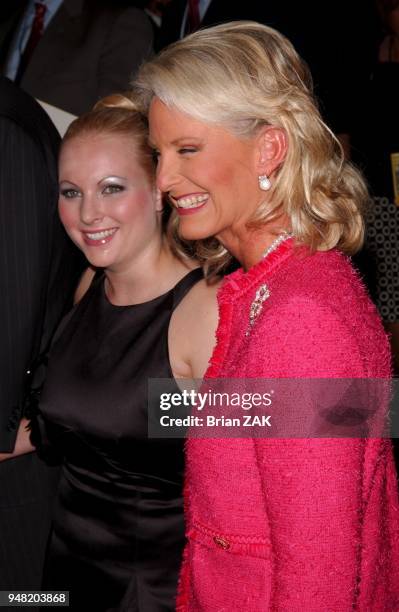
(264, 182)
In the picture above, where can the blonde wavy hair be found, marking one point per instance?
(242, 76)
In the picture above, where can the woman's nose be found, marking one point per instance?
(91, 210)
(167, 174)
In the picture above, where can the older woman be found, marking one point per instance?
(244, 156)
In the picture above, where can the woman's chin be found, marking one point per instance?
(193, 233)
(99, 260)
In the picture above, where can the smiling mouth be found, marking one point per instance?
(100, 235)
(189, 201)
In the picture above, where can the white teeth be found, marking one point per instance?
(101, 235)
(192, 201)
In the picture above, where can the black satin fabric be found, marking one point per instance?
(118, 530)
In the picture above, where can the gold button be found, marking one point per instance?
(222, 543)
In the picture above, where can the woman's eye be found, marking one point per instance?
(69, 193)
(186, 150)
(112, 189)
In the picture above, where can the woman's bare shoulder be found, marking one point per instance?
(201, 295)
(192, 330)
(199, 307)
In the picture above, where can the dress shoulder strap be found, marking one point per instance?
(185, 284)
(95, 283)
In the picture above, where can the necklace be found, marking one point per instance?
(276, 243)
(263, 292)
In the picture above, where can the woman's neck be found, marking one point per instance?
(249, 246)
(151, 275)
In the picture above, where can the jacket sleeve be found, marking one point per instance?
(24, 240)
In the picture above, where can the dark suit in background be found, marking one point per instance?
(39, 269)
(91, 48)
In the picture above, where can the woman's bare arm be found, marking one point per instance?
(23, 444)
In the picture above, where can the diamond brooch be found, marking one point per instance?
(261, 295)
(263, 292)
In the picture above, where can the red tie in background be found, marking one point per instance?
(193, 16)
(34, 37)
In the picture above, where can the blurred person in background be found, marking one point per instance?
(155, 10)
(376, 150)
(39, 270)
(70, 53)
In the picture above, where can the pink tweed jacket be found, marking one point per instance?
(296, 525)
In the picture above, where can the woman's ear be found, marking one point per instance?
(158, 200)
(272, 143)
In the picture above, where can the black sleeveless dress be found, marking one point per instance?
(118, 530)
